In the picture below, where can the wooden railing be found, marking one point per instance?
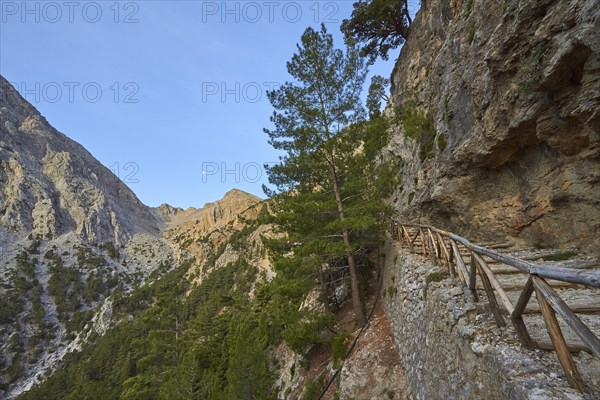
(443, 248)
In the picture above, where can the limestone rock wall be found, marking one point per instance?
(512, 89)
(50, 185)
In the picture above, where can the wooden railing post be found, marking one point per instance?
(517, 316)
(444, 251)
(410, 245)
(462, 269)
(423, 242)
(495, 284)
(473, 277)
(558, 340)
(489, 291)
(569, 316)
(434, 248)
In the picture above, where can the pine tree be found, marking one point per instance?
(326, 203)
(381, 24)
(377, 94)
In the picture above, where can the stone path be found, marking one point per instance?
(584, 301)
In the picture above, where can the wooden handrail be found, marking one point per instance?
(434, 247)
(581, 277)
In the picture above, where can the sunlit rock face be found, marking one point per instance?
(51, 185)
(512, 90)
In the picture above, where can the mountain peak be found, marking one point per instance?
(237, 193)
(59, 187)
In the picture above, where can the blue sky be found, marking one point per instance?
(160, 91)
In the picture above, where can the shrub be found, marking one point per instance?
(306, 332)
(437, 276)
(471, 35)
(417, 125)
(111, 250)
(339, 346)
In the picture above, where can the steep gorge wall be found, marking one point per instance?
(513, 88)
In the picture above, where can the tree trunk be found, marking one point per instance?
(324, 291)
(357, 304)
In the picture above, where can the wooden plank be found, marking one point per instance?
(517, 318)
(581, 277)
(490, 294)
(410, 245)
(513, 271)
(586, 335)
(444, 251)
(519, 286)
(523, 298)
(576, 308)
(573, 347)
(558, 340)
(503, 297)
(415, 237)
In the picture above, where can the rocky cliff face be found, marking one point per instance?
(50, 185)
(211, 230)
(511, 90)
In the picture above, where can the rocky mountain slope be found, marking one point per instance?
(200, 233)
(51, 185)
(71, 233)
(73, 237)
(509, 95)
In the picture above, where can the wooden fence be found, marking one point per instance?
(444, 249)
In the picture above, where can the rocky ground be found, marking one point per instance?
(374, 371)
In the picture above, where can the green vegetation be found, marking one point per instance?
(471, 35)
(411, 196)
(419, 126)
(560, 256)
(442, 142)
(215, 340)
(209, 341)
(436, 277)
(110, 249)
(11, 304)
(22, 289)
(313, 388)
(330, 185)
(392, 291)
(377, 93)
(530, 69)
(340, 345)
(87, 258)
(381, 24)
(468, 8)
(71, 292)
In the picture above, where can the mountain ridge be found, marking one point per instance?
(53, 185)
(73, 237)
